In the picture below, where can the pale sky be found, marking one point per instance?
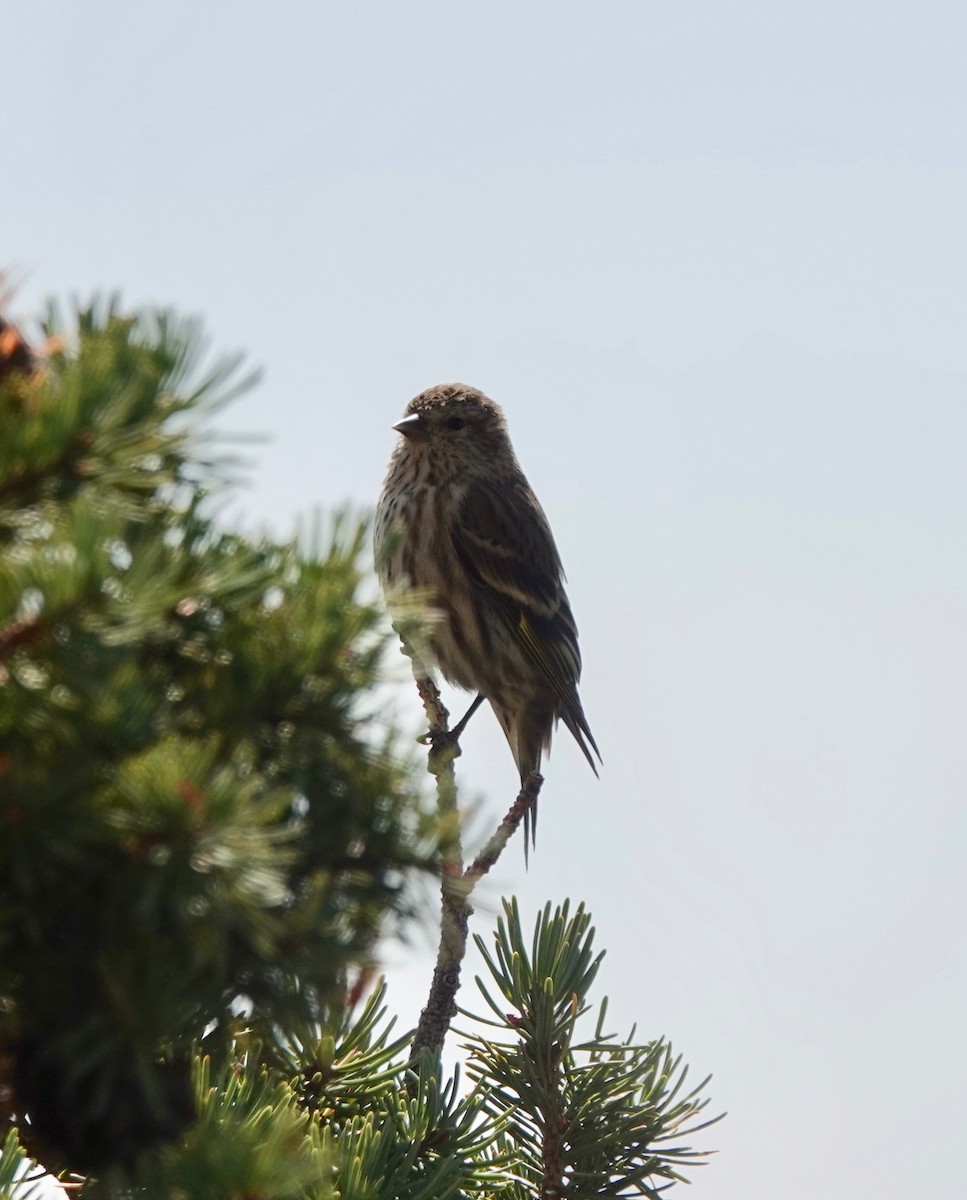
(711, 259)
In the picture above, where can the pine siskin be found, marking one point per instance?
(458, 520)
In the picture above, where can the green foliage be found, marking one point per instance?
(584, 1118)
(345, 1114)
(13, 1165)
(346, 1117)
(197, 801)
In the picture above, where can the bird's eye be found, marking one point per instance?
(455, 423)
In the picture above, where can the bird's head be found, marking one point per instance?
(458, 428)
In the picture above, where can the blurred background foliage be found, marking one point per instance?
(201, 813)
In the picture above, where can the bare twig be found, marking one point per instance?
(457, 883)
(455, 907)
(526, 799)
(436, 713)
(441, 1004)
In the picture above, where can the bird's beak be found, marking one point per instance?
(413, 427)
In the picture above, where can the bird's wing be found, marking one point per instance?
(503, 539)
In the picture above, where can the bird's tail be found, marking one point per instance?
(528, 731)
(573, 717)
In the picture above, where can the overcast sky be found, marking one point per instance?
(711, 259)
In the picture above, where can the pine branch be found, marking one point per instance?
(587, 1118)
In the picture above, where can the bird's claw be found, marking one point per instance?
(441, 741)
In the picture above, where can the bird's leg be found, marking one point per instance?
(461, 725)
(441, 740)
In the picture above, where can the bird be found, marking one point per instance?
(458, 522)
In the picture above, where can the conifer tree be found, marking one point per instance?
(206, 825)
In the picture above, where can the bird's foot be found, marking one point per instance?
(441, 741)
